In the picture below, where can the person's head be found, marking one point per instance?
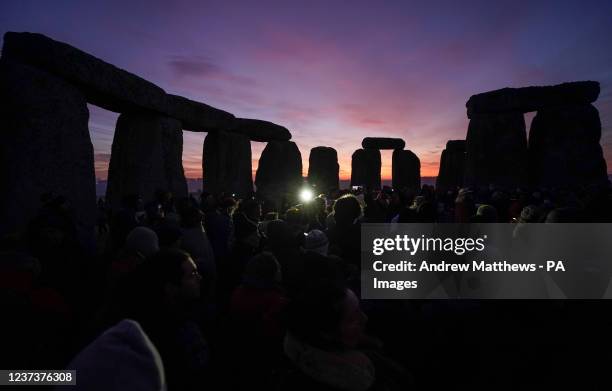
(279, 234)
(227, 204)
(245, 230)
(465, 195)
(251, 209)
(295, 217)
(530, 214)
(171, 276)
(487, 214)
(262, 270)
(426, 212)
(142, 241)
(319, 204)
(328, 316)
(191, 217)
(316, 241)
(346, 210)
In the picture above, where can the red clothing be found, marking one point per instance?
(257, 309)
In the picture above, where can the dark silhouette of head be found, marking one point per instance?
(263, 270)
(346, 210)
(251, 208)
(327, 315)
(169, 277)
(191, 217)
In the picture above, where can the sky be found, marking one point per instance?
(334, 72)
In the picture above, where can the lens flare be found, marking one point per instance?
(306, 195)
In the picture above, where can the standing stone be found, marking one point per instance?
(564, 147)
(146, 157)
(496, 150)
(406, 170)
(365, 168)
(452, 166)
(279, 173)
(45, 148)
(226, 164)
(323, 169)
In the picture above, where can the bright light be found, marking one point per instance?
(306, 195)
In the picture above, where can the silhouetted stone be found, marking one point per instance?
(45, 147)
(496, 150)
(227, 164)
(455, 145)
(323, 169)
(564, 147)
(102, 83)
(262, 131)
(108, 86)
(383, 143)
(365, 168)
(146, 156)
(452, 166)
(279, 174)
(406, 170)
(533, 98)
(196, 116)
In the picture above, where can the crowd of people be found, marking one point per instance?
(214, 292)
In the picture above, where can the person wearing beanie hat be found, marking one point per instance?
(486, 214)
(256, 322)
(143, 241)
(122, 358)
(140, 243)
(529, 214)
(316, 241)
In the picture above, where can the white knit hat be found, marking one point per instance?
(122, 358)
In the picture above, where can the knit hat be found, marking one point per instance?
(316, 241)
(142, 240)
(529, 214)
(122, 358)
(488, 212)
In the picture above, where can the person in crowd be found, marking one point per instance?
(465, 206)
(246, 244)
(256, 328)
(286, 248)
(163, 299)
(316, 241)
(326, 345)
(195, 241)
(316, 213)
(257, 301)
(140, 243)
(218, 224)
(126, 346)
(486, 214)
(297, 222)
(123, 220)
(345, 236)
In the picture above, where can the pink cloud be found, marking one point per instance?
(202, 68)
